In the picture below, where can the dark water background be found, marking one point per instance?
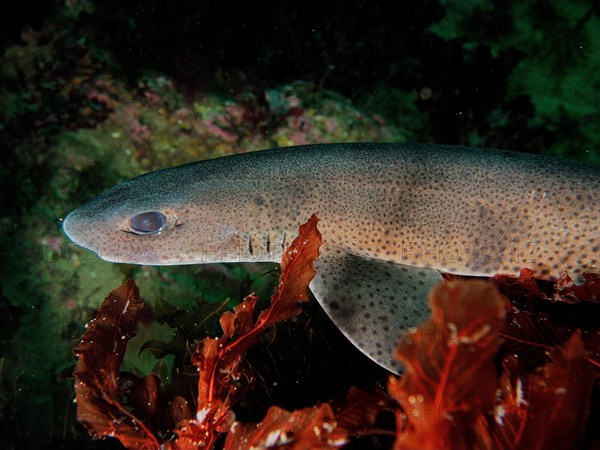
(93, 92)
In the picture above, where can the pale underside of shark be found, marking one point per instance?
(392, 217)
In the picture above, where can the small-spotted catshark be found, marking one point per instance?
(392, 217)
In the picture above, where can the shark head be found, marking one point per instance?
(153, 219)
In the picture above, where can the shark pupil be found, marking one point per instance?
(147, 222)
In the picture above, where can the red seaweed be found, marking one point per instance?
(488, 369)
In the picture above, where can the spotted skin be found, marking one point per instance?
(373, 301)
(459, 210)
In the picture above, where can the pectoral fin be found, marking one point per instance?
(372, 301)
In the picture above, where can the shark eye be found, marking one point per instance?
(147, 222)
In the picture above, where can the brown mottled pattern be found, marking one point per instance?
(460, 210)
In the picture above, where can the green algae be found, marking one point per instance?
(560, 47)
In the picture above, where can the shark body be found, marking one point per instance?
(392, 217)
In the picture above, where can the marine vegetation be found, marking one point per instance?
(493, 367)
